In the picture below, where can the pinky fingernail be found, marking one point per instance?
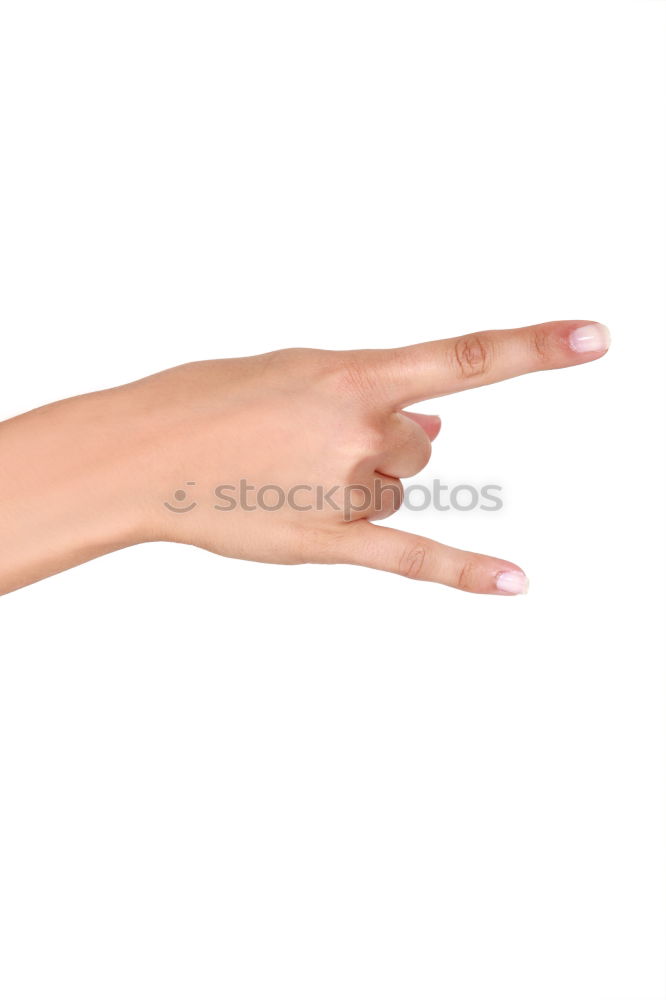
(590, 338)
(512, 581)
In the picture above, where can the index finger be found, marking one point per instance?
(440, 367)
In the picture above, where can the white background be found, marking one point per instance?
(227, 780)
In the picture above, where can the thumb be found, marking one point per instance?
(379, 547)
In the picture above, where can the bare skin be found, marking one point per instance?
(88, 475)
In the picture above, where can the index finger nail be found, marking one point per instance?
(512, 581)
(590, 338)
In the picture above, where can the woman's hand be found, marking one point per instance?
(322, 433)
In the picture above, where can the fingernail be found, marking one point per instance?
(590, 338)
(512, 581)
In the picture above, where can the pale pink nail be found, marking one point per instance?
(512, 581)
(590, 338)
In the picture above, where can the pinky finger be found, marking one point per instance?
(419, 558)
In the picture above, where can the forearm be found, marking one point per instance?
(69, 485)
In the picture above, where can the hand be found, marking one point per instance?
(302, 420)
(165, 458)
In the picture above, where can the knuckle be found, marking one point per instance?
(466, 576)
(291, 358)
(541, 345)
(472, 356)
(407, 446)
(295, 365)
(414, 440)
(323, 546)
(424, 454)
(412, 562)
(355, 376)
(415, 460)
